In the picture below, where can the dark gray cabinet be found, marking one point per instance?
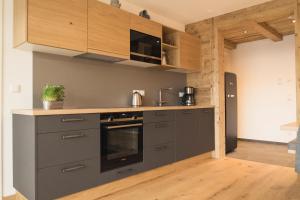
(159, 138)
(194, 132)
(55, 155)
(58, 155)
(206, 121)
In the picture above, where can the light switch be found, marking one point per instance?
(15, 88)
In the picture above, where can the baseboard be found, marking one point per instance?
(262, 141)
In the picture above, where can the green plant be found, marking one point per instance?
(53, 93)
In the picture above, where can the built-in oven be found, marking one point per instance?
(121, 140)
(145, 48)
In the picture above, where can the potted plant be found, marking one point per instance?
(53, 97)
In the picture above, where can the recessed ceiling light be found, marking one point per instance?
(294, 21)
(245, 32)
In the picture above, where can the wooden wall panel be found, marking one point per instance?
(212, 32)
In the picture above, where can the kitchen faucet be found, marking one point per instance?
(161, 102)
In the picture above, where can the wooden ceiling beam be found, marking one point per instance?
(264, 29)
(229, 45)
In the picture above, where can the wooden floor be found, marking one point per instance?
(275, 154)
(196, 179)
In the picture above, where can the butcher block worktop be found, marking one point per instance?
(41, 112)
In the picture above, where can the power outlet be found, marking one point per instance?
(181, 94)
(142, 92)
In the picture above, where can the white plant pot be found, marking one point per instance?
(52, 105)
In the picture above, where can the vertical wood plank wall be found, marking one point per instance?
(212, 69)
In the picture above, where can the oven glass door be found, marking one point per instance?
(121, 145)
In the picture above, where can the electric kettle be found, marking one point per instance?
(136, 99)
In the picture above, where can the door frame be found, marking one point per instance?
(1, 90)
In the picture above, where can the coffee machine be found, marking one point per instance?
(188, 98)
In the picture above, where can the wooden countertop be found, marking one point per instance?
(293, 126)
(41, 112)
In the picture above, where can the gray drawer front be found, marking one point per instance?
(66, 147)
(159, 155)
(120, 173)
(67, 122)
(66, 179)
(159, 116)
(182, 115)
(158, 133)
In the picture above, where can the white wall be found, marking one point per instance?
(266, 88)
(17, 71)
(1, 65)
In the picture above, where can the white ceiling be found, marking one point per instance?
(188, 11)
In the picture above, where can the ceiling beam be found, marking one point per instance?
(264, 29)
(229, 45)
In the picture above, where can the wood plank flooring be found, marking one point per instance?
(198, 179)
(275, 154)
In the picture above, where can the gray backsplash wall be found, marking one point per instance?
(92, 83)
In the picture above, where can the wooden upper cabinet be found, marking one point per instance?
(147, 26)
(108, 30)
(60, 24)
(190, 52)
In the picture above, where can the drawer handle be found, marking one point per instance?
(160, 114)
(161, 125)
(66, 120)
(187, 112)
(125, 171)
(72, 169)
(75, 136)
(161, 148)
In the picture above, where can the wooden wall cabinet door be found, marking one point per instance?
(147, 26)
(190, 52)
(60, 24)
(108, 30)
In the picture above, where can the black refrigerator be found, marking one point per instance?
(230, 111)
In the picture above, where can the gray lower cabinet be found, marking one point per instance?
(159, 138)
(159, 155)
(55, 155)
(68, 178)
(194, 132)
(58, 155)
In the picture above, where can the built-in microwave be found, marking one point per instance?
(145, 48)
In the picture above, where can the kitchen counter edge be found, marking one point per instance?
(41, 112)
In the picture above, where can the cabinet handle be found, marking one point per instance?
(160, 114)
(161, 125)
(66, 120)
(187, 112)
(74, 168)
(125, 171)
(161, 148)
(69, 137)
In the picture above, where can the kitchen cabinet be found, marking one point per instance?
(56, 155)
(194, 132)
(108, 30)
(51, 26)
(206, 123)
(190, 52)
(144, 25)
(159, 138)
(52, 154)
